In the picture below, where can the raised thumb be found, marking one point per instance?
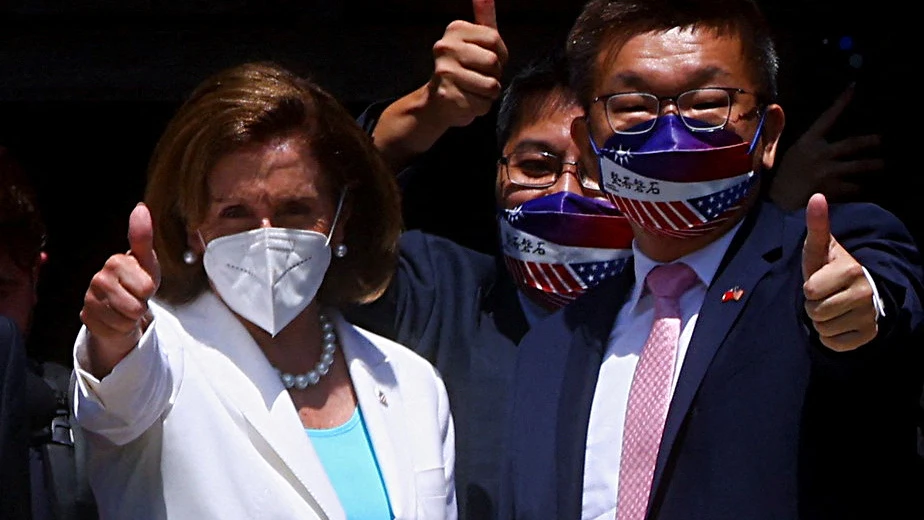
(818, 236)
(141, 240)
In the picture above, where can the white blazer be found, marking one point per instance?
(195, 424)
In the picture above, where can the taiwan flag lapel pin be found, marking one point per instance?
(732, 295)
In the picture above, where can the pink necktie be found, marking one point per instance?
(649, 395)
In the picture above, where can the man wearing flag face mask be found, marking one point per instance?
(558, 235)
(465, 311)
(749, 363)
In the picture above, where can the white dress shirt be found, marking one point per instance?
(627, 338)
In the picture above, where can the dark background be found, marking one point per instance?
(86, 87)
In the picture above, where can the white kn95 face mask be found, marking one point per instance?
(269, 275)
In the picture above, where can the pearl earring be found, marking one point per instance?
(189, 257)
(340, 250)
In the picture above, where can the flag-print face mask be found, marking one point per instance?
(562, 244)
(674, 181)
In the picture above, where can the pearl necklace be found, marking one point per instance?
(311, 377)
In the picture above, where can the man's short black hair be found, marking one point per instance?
(542, 76)
(606, 25)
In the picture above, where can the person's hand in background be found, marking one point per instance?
(468, 65)
(812, 164)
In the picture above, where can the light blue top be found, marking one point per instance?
(349, 459)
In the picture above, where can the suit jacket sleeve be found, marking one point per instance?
(124, 404)
(368, 120)
(431, 292)
(882, 244)
(371, 114)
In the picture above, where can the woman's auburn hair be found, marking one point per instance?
(255, 103)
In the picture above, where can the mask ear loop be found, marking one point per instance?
(760, 126)
(333, 225)
(599, 152)
(590, 137)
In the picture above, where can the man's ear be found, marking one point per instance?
(774, 120)
(580, 133)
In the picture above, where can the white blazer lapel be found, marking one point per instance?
(265, 404)
(383, 411)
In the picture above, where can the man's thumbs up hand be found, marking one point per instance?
(468, 66)
(838, 295)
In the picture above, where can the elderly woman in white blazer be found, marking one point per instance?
(215, 375)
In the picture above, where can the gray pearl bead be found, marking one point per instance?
(328, 348)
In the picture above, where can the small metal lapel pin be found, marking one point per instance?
(382, 398)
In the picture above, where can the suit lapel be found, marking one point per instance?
(383, 411)
(750, 256)
(591, 319)
(263, 402)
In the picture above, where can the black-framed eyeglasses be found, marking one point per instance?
(700, 109)
(537, 169)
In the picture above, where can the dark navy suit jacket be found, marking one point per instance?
(459, 309)
(453, 305)
(765, 422)
(15, 502)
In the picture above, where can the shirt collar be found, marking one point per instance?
(704, 262)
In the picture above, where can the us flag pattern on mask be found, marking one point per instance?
(678, 209)
(561, 272)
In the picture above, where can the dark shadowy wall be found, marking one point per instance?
(86, 87)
